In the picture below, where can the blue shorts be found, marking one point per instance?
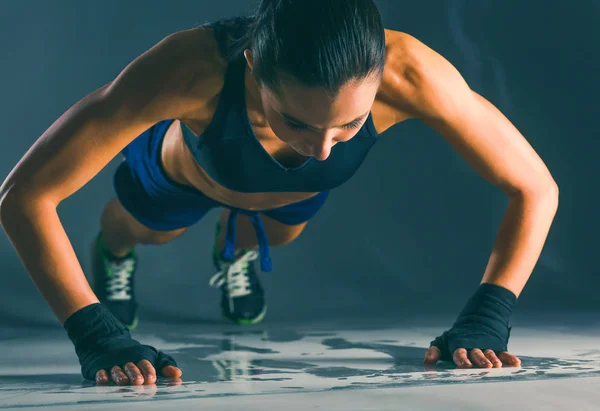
(161, 204)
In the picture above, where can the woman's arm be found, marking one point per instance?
(437, 94)
(500, 154)
(69, 154)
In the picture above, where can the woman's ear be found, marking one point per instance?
(248, 55)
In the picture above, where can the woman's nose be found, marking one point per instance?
(322, 149)
(322, 155)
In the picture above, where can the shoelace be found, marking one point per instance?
(236, 276)
(118, 286)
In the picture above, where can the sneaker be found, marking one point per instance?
(242, 296)
(113, 282)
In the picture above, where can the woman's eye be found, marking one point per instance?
(302, 128)
(352, 126)
(294, 127)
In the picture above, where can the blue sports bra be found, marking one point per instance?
(232, 155)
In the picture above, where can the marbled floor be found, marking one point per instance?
(345, 366)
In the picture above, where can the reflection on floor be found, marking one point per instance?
(311, 365)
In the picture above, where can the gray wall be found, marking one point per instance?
(412, 231)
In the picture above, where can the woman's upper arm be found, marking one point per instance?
(94, 130)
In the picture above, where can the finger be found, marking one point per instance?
(118, 376)
(491, 355)
(164, 360)
(479, 359)
(171, 371)
(148, 371)
(133, 373)
(460, 358)
(432, 355)
(509, 359)
(102, 377)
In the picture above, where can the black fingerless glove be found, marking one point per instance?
(483, 323)
(101, 341)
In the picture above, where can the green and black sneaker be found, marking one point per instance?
(242, 296)
(113, 282)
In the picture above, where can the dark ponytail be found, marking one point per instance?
(318, 43)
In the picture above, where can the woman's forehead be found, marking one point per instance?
(311, 106)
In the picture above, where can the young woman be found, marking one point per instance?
(261, 116)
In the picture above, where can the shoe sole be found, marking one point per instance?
(251, 321)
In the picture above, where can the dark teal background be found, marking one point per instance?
(412, 232)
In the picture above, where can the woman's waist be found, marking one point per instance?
(194, 176)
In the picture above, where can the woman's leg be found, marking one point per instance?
(121, 231)
(243, 298)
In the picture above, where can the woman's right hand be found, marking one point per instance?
(107, 352)
(136, 374)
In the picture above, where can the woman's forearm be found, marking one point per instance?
(41, 242)
(520, 240)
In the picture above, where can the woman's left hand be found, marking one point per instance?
(477, 357)
(479, 336)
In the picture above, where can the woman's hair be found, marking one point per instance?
(318, 43)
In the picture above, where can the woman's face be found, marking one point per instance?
(311, 121)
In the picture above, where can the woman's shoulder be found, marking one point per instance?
(175, 78)
(408, 63)
(193, 68)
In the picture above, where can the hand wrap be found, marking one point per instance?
(101, 341)
(483, 323)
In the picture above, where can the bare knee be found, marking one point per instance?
(119, 226)
(287, 235)
(159, 237)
